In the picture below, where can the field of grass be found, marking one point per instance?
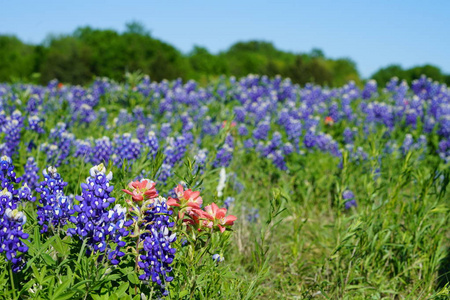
(339, 193)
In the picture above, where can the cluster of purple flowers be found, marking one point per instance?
(60, 146)
(30, 176)
(158, 253)
(225, 153)
(349, 199)
(35, 124)
(12, 127)
(95, 224)
(182, 114)
(11, 219)
(54, 207)
(125, 147)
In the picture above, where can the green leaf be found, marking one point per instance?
(68, 295)
(48, 259)
(113, 297)
(121, 290)
(183, 293)
(61, 289)
(132, 277)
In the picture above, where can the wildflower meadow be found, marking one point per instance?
(237, 188)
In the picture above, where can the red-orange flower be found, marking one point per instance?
(329, 121)
(190, 199)
(224, 123)
(142, 190)
(217, 216)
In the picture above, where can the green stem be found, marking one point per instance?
(81, 250)
(136, 268)
(11, 276)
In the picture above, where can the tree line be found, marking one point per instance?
(79, 57)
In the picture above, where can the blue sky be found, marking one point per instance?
(372, 33)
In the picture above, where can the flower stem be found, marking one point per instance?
(136, 268)
(11, 276)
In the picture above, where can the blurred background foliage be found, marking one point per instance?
(86, 53)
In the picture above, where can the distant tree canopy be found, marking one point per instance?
(78, 57)
(383, 75)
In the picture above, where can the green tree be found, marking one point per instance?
(383, 75)
(343, 70)
(68, 60)
(16, 59)
(306, 69)
(428, 70)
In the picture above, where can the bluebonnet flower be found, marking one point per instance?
(35, 124)
(223, 157)
(30, 176)
(164, 173)
(287, 148)
(51, 150)
(357, 155)
(309, 139)
(175, 150)
(369, 89)
(444, 128)
(65, 146)
(390, 147)
(33, 102)
(200, 159)
(125, 147)
(242, 130)
(349, 199)
(294, 130)
(83, 149)
(12, 130)
(165, 130)
(102, 116)
(151, 142)
(12, 236)
(218, 258)
(123, 118)
(84, 113)
(444, 150)
(311, 123)
(411, 117)
(25, 193)
(157, 254)
(140, 133)
(100, 228)
(11, 219)
(228, 202)
(421, 143)
(60, 146)
(53, 208)
(407, 143)
(102, 151)
(208, 127)
(349, 135)
(249, 143)
(261, 131)
(429, 124)
(333, 111)
(253, 215)
(278, 159)
(3, 119)
(8, 179)
(138, 114)
(240, 113)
